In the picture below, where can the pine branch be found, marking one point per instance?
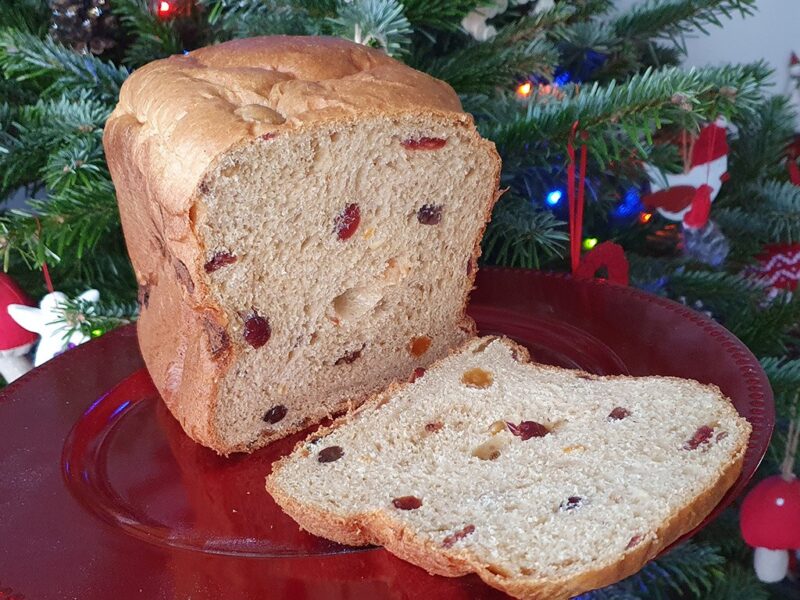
(758, 151)
(375, 23)
(671, 19)
(690, 567)
(29, 135)
(63, 227)
(151, 37)
(784, 376)
(95, 318)
(771, 215)
(56, 70)
(26, 15)
(617, 117)
(439, 14)
(243, 18)
(767, 331)
(483, 67)
(523, 235)
(725, 294)
(737, 583)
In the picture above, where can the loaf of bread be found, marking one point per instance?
(303, 216)
(545, 482)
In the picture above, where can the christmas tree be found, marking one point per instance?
(560, 87)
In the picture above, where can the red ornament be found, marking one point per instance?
(11, 334)
(779, 267)
(697, 217)
(705, 163)
(770, 523)
(169, 9)
(606, 255)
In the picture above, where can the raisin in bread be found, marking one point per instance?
(545, 482)
(304, 217)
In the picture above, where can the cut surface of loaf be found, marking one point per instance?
(545, 482)
(304, 217)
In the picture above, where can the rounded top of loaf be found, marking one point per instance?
(176, 115)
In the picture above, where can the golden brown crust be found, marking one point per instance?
(380, 529)
(175, 118)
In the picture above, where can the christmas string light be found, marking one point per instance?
(525, 89)
(554, 197)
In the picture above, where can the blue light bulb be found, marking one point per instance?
(553, 197)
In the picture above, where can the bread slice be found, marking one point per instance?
(304, 216)
(545, 482)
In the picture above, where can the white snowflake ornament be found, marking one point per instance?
(49, 322)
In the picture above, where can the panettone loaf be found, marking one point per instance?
(303, 216)
(545, 482)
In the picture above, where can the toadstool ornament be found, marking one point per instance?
(15, 342)
(770, 517)
(49, 321)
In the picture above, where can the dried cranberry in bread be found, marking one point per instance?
(301, 214)
(545, 482)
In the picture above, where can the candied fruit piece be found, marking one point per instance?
(434, 426)
(330, 454)
(275, 414)
(256, 330)
(497, 427)
(722, 435)
(430, 214)
(418, 372)
(458, 535)
(528, 429)
(419, 345)
(634, 541)
(618, 414)
(349, 357)
(346, 223)
(424, 143)
(488, 450)
(702, 436)
(219, 260)
(477, 378)
(407, 502)
(571, 503)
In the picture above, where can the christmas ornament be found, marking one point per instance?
(15, 342)
(475, 22)
(778, 267)
(83, 25)
(51, 323)
(170, 9)
(606, 256)
(770, 516)
(705, 163)
(702, 239)
(793, 90)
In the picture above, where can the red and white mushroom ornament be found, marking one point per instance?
(770, 517)
(15, 342)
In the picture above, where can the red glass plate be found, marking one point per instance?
(102, 495)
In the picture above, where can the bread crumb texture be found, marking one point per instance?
(544, 483)
(302, 215)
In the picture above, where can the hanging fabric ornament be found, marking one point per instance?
(778, 267)
(702, 239)
(15, 342)
(770, 516)
(606, 257)
(52, 323)
(705, 162)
